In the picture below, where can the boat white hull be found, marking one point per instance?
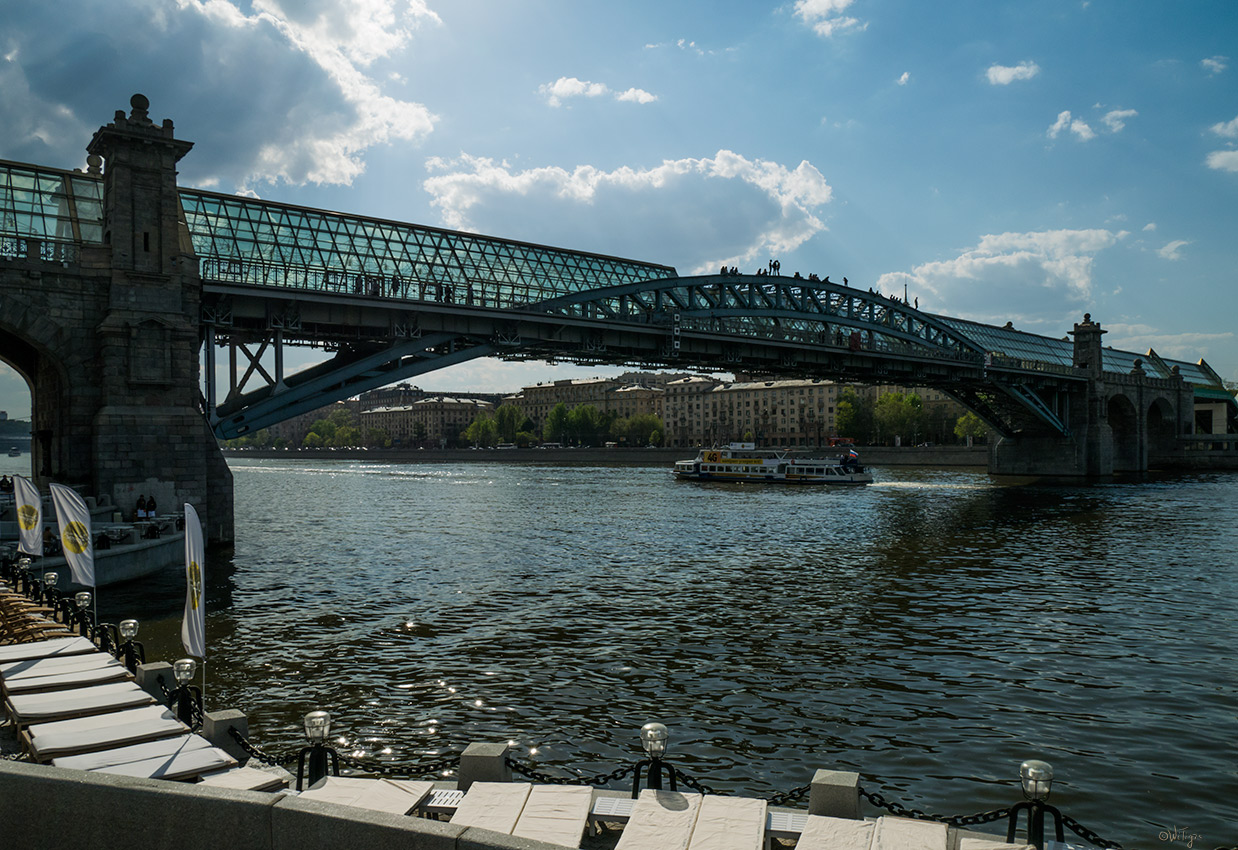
(123, 561)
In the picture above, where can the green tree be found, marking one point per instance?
(482, 431)
(419, 432)
(378, 438)
(346, 436)
(585, 424)
(313, 440)
(970, 427)
(656, 437)
(899, 415)
(508, 419)
(525, 438)
(853, 416)
(556, 428)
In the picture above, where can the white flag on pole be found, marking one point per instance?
(29, 516)
(74, 520)
(193, 627)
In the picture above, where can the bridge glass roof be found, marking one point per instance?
(244, 240)
(1027, 346)
(49, 204)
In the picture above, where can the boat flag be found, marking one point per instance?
(29, 516)
(193, 627)
(74, 520)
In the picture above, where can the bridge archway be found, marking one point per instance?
(29, 347)
(1124, 426)
(1161, 427)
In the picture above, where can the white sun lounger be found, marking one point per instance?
(395, 796)
(63, 681)
(994, 843)
(25, 709)
(661, 820)
(45, 741)
(556, 814)
(886, 833)
(493, 805)
(729, 823)
(46, 648)
(55, 664)
(244, 779)
(170, 758)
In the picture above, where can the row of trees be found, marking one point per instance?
(899, 417)
(338, 430)
(583, 425)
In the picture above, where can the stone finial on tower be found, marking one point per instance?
(1088, 354)
(140, 104)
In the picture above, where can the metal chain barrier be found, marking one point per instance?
(254, 752)
(382, 768)
(787, 796)
(1087, 834)
(550, 779)
(692, 783)
(902, 811)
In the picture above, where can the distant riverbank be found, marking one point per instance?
(952, 456)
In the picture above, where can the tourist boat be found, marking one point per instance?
(745, 462)
(14, 452)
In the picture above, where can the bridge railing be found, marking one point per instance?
(1001, 361)
(46, 250)
(477, 293)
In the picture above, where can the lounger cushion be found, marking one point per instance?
(556, 814)
(661, 820)
(729, 823)
(46, 648)
(78, 702)
(102, 731)
(493, 805)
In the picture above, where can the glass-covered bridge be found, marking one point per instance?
(393, 299)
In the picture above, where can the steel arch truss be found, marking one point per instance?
(786, 310)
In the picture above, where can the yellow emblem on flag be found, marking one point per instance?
(75, 538)
(195, 584)
(27, 517)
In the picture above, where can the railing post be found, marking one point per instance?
(835, 794)
(483, 763)
(215, 726)
(148, 679)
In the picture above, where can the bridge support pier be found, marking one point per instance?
(106, 333)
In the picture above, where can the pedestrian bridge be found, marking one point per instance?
(122, 291)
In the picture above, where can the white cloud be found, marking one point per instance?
(566, 87)
(1172, 250)
(1223, 160)
(1115, 119)
(1149, 227)
(697, 213)
(1076, 125)
(1228, 129)
(1190, 346)
(902, 81)
(636, 96)
(1004, 75)
(1215, 64)
(1031, 278)
(826, 17)
(320, 141)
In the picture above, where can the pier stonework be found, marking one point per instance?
(109, 337)
(1118, 423)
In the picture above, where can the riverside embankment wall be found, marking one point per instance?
(42, 806)
(874, 456)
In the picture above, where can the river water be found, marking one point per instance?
(930, 631)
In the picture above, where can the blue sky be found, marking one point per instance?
(1006, 161)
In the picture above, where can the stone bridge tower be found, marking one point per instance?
(109, 340)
